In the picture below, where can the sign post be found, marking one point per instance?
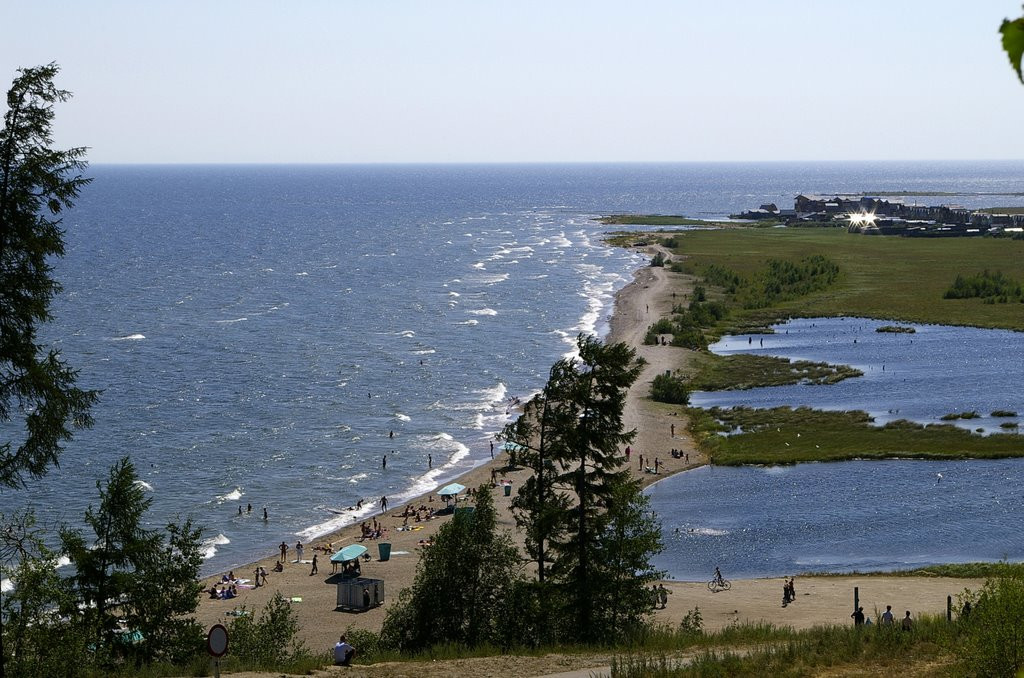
(217, 645)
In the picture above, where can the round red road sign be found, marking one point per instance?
(217, 640)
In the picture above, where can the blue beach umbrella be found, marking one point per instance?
(510, 446)
(350, 552)
(451, 490)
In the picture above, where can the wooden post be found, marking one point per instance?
(856, 598)
(949, 608)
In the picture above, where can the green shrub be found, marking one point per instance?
(672, 389)
(993, 639)
(658, 260)
(267, 641)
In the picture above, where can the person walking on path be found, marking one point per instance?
(384, 504)
(314, 570)
(627, 453)
(663, 595)
(284, 551)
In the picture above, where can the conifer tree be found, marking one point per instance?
(36, 184)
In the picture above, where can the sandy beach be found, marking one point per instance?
(660, 428)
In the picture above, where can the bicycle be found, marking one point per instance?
(716, 585)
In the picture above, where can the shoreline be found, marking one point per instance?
(648, 296)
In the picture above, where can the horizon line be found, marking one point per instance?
(539, 162)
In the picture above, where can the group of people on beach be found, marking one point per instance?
(374, 530)
(230, 587)
(886, 619)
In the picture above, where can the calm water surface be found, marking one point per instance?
(838, 517)
(922, 376)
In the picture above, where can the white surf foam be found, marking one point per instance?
(233, 495)
(483, 311)
(402, 417)
(479, 265)
(209, 546)
(228, 322)
(426, 351)
(469, 322)
(144, 485)
(130, 337)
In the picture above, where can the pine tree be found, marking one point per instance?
(461, 585)
(125, 571)
(36, 184)
(591, 469)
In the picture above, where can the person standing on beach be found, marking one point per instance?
(627, 453)
(858, 616)
(313, 571)
(384, 504)
(283, 548)
(298, 551)
(672, 430)
(492, 449)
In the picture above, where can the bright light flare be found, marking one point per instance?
(861, 218)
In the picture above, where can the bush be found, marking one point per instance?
(658, 260)
(993, 640)
(268, 641)
(668, 388)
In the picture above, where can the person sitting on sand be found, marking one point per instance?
(278, 567)
(214, 592)
(343, 652)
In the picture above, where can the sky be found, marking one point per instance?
(441, 81)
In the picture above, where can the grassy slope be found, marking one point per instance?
(881, 277)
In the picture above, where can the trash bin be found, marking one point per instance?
(384, 548)
(508, 490)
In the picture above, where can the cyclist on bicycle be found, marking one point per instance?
(718, 576)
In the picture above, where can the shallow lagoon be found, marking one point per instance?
(922, 376)
(838, 517)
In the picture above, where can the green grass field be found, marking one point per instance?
(880, 277)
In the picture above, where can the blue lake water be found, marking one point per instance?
(922, 376)
(258, 331)
(838, 517)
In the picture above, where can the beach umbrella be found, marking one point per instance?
(451, 490)
(510, 446)
(350, 552)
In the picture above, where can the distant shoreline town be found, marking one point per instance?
(877, 216)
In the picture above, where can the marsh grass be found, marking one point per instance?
(784, 435)
(953, 416)
(744, 370)
(1003, 413)
(871, 270)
